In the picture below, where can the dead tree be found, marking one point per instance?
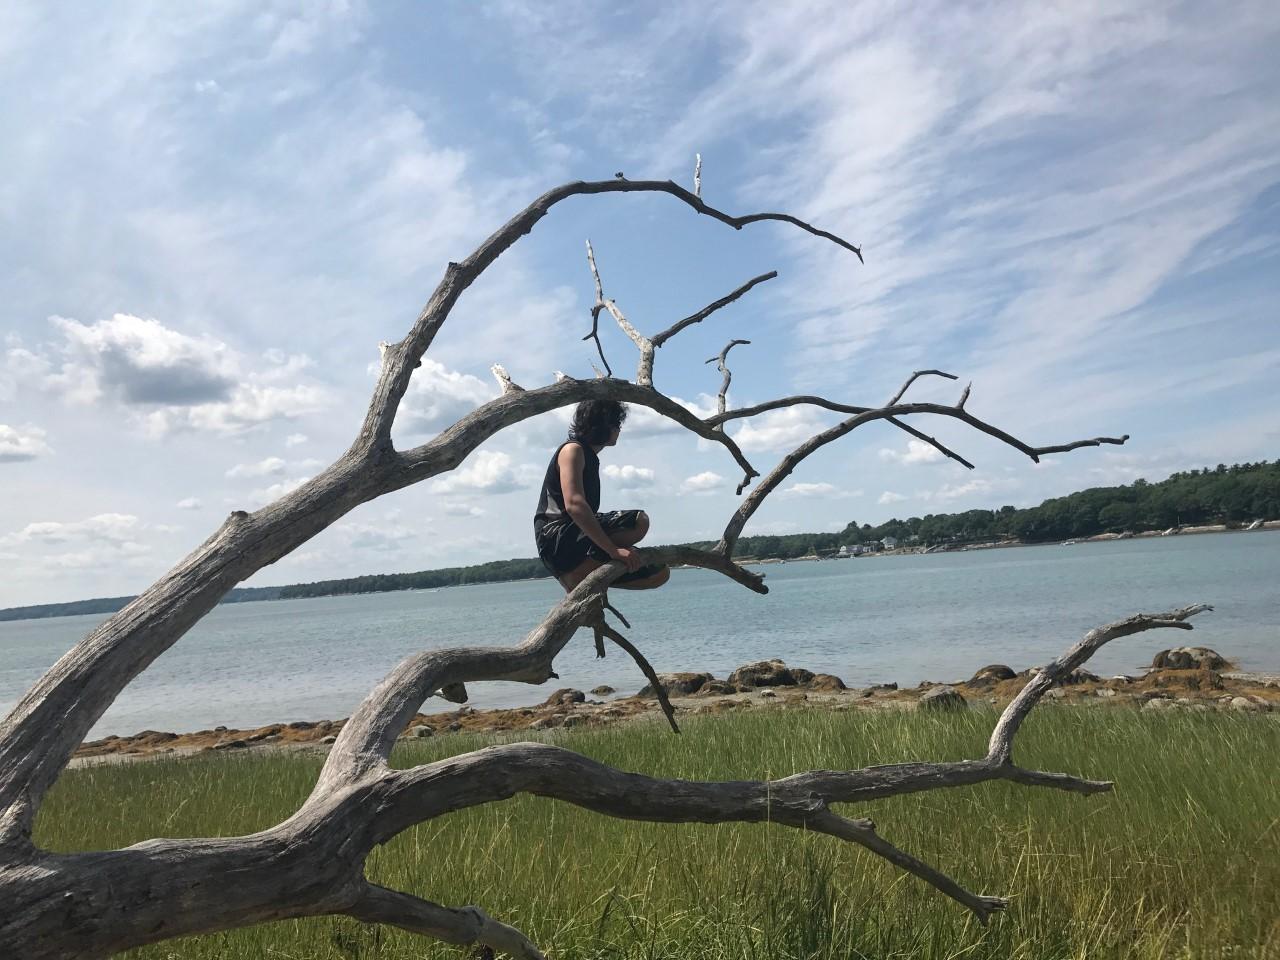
(94, 904)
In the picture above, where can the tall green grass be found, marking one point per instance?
(1181, 861)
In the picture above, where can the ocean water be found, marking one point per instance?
(904, 619)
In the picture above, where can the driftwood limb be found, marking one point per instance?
(916, 376)
(465, 925)
(504, 379)
(644, 373)
(312, 864)
(659, 688)
(788, 463)
(1000, 750)
(709, 309)
(721, 362)
(617, 613)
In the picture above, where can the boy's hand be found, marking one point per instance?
(630, 558)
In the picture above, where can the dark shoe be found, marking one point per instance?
(644, 573)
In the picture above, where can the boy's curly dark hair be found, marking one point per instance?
(594, 420)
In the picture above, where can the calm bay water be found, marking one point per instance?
(904, 619)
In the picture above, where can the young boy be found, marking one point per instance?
(573, 537)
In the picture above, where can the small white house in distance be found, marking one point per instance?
(890, 543)
(844, 552)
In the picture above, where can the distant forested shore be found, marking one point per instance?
(1230, 495)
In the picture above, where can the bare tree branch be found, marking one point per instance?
(788, 463)
(644, 373)
(932, 441)
(466, 925)
(711, 308)
(659, 688)
(1000, 749)
(720, 360)
(864, 833)
(403, 356)
(617, 613)
(916, 376)
(504, 379)
(366, 740)
(452, 445)
(697, 175)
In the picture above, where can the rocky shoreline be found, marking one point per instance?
(1182, 678)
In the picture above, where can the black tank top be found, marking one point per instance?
(551, 501)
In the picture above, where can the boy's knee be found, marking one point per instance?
(642, 523)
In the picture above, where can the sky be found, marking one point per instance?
(212, 213)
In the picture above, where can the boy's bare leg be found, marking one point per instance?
(623, 538)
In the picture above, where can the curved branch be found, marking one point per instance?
(659, 688)
(466, 925)
(366, 740)
(452, 445)
(788, 463)
(1000, 749)
(916, 376)
(401, 358)
(644, 372)
(742, 412)
(721, 361)
(863, 832)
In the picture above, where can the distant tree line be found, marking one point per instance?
(491, 572)
(1231, 495)
(76, 608)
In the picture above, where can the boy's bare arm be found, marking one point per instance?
(571, 462)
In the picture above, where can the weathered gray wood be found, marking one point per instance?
(94, 904)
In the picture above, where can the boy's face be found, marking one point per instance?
(613, 436)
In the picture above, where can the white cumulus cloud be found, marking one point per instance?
(270, 467)
(890, 497)
(628, 476)
(22, 443)
(704, 482)
(779, 430)
(140, 360)
(487, 472)
(264, 495)
(189, 503)
(437, 397)
(917, 452)
(171, 380)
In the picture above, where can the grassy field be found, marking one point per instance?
(1182, 860)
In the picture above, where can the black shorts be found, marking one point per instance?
(562, 545)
